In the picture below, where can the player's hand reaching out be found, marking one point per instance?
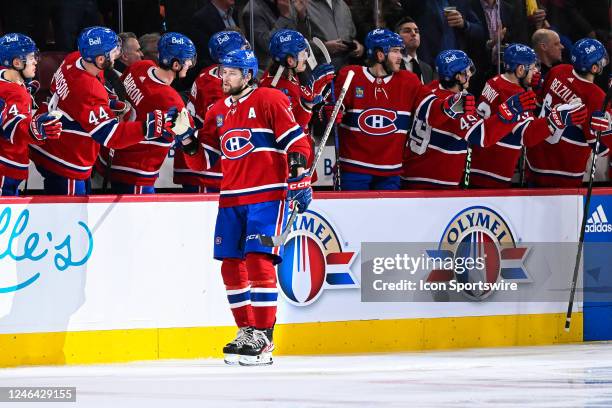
(459, 104)
(511, 110)
(568, 114)
(46, 126)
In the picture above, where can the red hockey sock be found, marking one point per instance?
(263, 289)
(236, 282)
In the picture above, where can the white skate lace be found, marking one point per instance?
(259, 339)
(243, 336)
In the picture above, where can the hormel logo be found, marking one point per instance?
(175, 40)
(95, 41)
(598, 221)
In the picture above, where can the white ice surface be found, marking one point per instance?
(552, 376)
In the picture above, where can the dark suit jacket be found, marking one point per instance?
(427, 72)
(204, 23)
(431, 25)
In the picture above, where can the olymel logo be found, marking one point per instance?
(598, 221)
(315, 259)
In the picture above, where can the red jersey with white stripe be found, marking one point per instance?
(494, 166)
(205, 91)
(377, 117)
(139, 164)
(87, 123)
(293, 90)
(15, 136)
(561, 160)
(438, 151)
(252, 137)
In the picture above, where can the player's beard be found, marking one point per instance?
(236, 90)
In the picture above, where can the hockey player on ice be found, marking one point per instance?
(134, 169)
(264, 154)
(562, 159)
(205, 91)
(20, 124)
(493, 166)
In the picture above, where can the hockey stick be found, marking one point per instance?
(278, 240)
(585, 209)
(327, 57)
(119, 89)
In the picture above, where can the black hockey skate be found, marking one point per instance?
(258, 350)
(231, 349)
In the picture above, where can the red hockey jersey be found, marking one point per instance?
(205, 91)
(14, 158)
(87, 123)
(139, 164)
(561, 160)
(303, 114)
(376, 120)
(438, 151)
(493, 166)
(252, 137)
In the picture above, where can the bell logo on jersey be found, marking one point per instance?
(314, 260)
(377, 121)
(236, 143)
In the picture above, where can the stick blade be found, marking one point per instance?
(266, 240)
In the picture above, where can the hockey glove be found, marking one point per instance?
(46, 126)
(321, 76)
(120, 108)
(600, 122)
(511, 110)
(326, 112)
(536, 81)
(32, 86)
(182, 127)
(459, 104)
(154, 126)
(299, 191)
(569, 114)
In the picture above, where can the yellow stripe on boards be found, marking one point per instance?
(110, 346)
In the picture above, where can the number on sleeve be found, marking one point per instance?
(420, 135)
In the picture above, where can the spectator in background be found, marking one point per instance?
(409, 31)
(215, 16)
(496, 16)
(566, 18)
(130, 51)
(148, 46)
(548, 47)
(445, 24)
(332, 22)
(272, 15)
(178, 13)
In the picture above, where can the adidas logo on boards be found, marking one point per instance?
(598, 221)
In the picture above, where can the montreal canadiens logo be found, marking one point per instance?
(377, 121)
(314, 260)
(236, 143)
(481, 234)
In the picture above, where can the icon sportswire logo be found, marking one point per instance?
(598, 221)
